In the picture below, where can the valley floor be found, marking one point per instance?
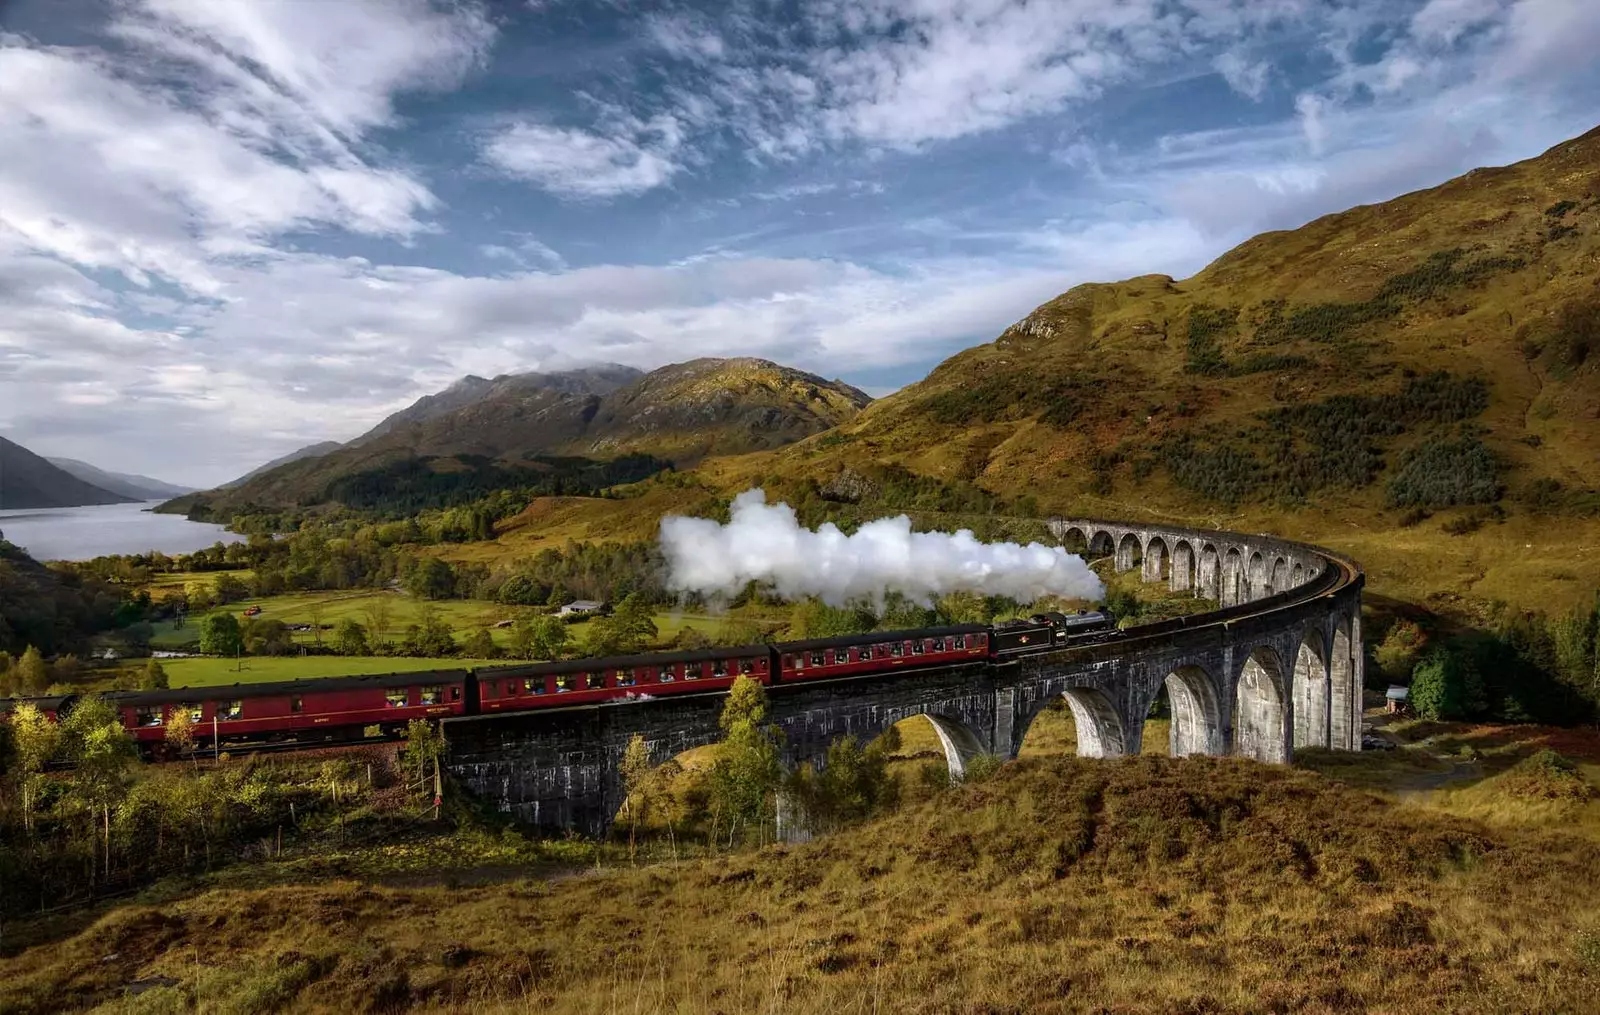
(1056, 885)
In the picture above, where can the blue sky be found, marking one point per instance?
(228, 229)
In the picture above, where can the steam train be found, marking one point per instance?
(344, 709)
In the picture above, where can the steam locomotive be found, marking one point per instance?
(344, 709)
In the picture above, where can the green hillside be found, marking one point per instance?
(1417, 381)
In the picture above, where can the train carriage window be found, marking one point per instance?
(938, 644)
(566, 682)
(455, 692)
(719, 667)
(595, 681)
(896, 650)
(626, 677)
(149, 716)
(229, 710)
(693, 671)
(816, 659)
(669, 673)
(396, 698)
(960, 641)
(744, 666)
(511, 688)
(297, 704)
(432, 694)
(917, 647)
(795, 662)
(533, 685)
(194, 708)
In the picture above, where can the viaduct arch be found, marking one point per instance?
(1278, 666)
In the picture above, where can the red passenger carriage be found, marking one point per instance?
(854, 654)
(587, 681)
(330, 709)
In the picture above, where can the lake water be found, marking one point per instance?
(83, 532)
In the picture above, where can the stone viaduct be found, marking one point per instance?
(1278, 666)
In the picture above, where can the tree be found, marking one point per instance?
(746, 772)
(229, 589)
(480, 645)
(854, 784)
(520, 590)
(633, 624)
(558, 595)
(266, 637)
(180, 732)
(431, 578)
(539, 637)
(600, 638)
(154, 677)
(379, 610)
(1446, 686)
(636, 785)
(316, 610)
(34, 741)
(430, 636)
(219, 635)
(32, 676)
(102, 751)
(902, 614)
(350, 638)
(424, 744)
(1400, 649)
(816, 619)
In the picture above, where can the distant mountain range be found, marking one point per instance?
(29, 481)
(127, 484)
(680, 413)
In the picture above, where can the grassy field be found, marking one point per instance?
(1057, 885)
(463, 616)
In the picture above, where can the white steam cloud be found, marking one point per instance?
(764, 543)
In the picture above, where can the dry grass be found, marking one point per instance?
(1142, 885)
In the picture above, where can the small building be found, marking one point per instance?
(580, 608)
(1397, 698)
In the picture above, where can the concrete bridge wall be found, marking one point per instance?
(1278, 666)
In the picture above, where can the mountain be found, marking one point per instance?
(471, 391)
(1437, 354)
(309, 451)
(29, 481)
(126, 484)
(511, 426)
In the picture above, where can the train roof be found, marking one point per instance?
(623, 662)
(313, 685)
(45, 703)
(877, 637)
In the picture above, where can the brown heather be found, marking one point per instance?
(1058, 885)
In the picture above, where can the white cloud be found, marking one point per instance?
(222, 126)
(1247, 77)
(629, 158)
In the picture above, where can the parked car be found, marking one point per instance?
(254, 611)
